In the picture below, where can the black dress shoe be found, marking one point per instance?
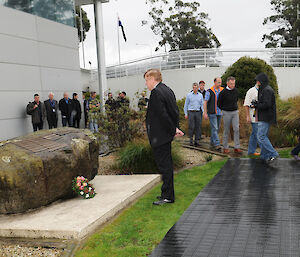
(196, 144)
(163, 201)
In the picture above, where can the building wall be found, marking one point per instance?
(181, 81)
(36, 56)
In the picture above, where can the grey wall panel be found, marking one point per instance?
(14, 127)
(59, 80)
(56, 33)
(19, 78)
(59, 57)
(14, 104)
(18, 50)
(22, 25)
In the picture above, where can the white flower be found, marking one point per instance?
(81, 193)
(87, 196)
(90, 188)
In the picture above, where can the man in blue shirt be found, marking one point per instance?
(213, 112)
(193, 109)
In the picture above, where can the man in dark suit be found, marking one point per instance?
(65, 106)
(51, 111)
(162, 122)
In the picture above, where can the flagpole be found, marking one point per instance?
(118, 40)
(81, 32)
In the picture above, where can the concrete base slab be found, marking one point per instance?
(76, 218)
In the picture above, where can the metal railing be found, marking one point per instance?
(196, 58)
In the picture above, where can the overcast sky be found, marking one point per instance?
(236, 23)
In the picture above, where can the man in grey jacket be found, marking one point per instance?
(37, 111)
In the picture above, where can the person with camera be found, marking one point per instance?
(266, 115)
(38, 113)
(251, 113)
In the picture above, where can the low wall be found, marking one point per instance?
(181, 81)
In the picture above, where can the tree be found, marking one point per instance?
(286, 22)
(181, 25)
(245, 70)
(85, 23)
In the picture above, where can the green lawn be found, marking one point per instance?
(286, 153)
(139, 229)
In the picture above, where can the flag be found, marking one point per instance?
(122, 28)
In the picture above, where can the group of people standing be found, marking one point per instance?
(71, 110)
(222, 102)
(39, 111)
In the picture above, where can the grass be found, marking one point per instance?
(140, 228)
(285, 153)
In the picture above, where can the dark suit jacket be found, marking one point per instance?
(76, 106)
(162, 116)
(65, 108)
(49, 110)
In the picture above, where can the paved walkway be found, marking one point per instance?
(76, 218)
(248, 209)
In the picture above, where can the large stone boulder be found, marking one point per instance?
(37, 169)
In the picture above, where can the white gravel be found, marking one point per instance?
(21, 251)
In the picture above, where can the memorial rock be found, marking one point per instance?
(37, 169)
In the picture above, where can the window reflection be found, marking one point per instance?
(62, 11)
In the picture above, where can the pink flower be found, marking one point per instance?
(84, 184)
(81, 187)
(79, 184)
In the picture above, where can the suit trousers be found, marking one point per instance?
(37, 126)
(163, 158)
(231, 117)
(195, 120)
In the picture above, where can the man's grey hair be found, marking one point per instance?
(195, 84)
(51, 93)
(230, 78)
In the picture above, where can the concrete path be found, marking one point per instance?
(76, 218)
(250, 209)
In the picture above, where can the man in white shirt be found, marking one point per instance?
(252, 95)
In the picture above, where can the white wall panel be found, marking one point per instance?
(17, 23)
(181, 81)
(59, 79)
(59, 57)
(19, 77)
(11, 128)
(14, 104)
(56, 33)
(18, 50)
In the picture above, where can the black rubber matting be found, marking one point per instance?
(249, 209)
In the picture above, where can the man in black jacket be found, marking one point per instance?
(76, 111)
(65, 106)
(37, 111)
(51, 107)
(162, 122)
(266, 112)
(228, 103)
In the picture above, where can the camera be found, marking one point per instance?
(254, 103)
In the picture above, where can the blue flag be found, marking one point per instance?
(122, 28)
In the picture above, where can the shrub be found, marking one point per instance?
(245, 71)
(136, 157)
